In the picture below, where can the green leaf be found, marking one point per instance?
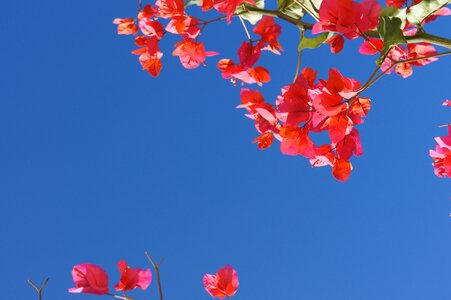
(251, 17)
(315, 42)
(391, 11)
(390, 32)
(294, 8)
(425, 8)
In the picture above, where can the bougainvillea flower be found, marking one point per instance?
(338, 126)
(191, 54)
(269, 32)
(151, 63)
(125, 26)
(185, 26)
(446, 102)
(336, 43)
(170, 8)
(236, 73)
(228, 7)
(264, 141)
(347, 17)
(148, 12)
(442, 155)
(223, 284)
(372, 46)
(294, 105)
(359, 109)
(151, 28)
(296, 141)
(249, 54)
(341, 169)
(349, 145)
(421, 50)
(89, 279)
(132, 278)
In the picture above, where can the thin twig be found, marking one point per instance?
(38, 289)
(157, 271)
(245, 28)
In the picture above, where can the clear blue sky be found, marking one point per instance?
(100, 162)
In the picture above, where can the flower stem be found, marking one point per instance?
(38, 289)
(157, 272)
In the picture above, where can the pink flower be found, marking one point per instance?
(191, 54)
(132, 278)
(89, 279)
(223, 284)
(442, 155)
(347, 17)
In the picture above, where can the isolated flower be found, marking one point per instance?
(192, 54)
(223, 284)
(442, 155)
(132, 278)
(89, 279)
(125, 26)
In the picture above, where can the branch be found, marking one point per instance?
(157, 272)
(38, 289)
(420, 37)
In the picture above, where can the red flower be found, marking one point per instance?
(442, 155)
(191, 54)
(227, 7)
(264, 141)
(89, 279)
(170, 8)
(125, 26)
(347, 17)
(269, 31)
(336, 43)
(223, 284)
(132, 278)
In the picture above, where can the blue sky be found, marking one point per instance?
(100, 162)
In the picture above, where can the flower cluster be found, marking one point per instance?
(92, 279)
(307, 107)
(442, 153)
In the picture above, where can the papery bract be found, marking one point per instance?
(228, 7)
(264, 141)
(223, 284)
(336, 43)
(442, 155)
(89, 279)
(170, 8)
(269, 32)
(125, 26)
(347, 17)
(191, 54)
(341, 169)
(132, 278)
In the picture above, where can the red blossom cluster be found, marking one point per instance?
(305, 106)
(92, 279)
(442, 153)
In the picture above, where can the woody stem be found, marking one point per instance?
(157, 272)
(420, 37)
(38, 289)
